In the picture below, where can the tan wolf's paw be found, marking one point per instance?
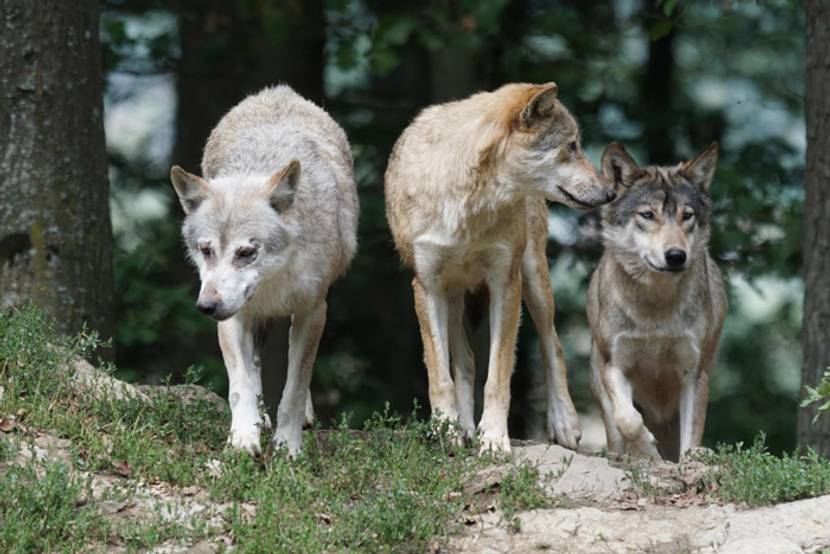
(563, 426)
(246, 440)
(645, 446)
(496, 443)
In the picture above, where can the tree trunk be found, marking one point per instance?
(55, 233)
(815, 337)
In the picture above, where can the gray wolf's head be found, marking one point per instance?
(544, 149)
(660, 219)
(237, 231)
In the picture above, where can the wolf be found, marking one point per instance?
(465, 188)
(269, 225)
(656, 306)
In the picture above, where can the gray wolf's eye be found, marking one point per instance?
(688, 215)
(646, 214)
(206, 251)
(572, 147)
(246, 253)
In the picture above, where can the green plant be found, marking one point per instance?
(820, 394)
(755, 477)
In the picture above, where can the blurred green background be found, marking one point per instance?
(665, 78)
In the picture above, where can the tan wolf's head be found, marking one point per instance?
(236, 233)
(540, 148)
(660, 219)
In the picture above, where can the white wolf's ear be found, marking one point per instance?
(701, 170)
(282, 186)
(541, 105)
(192, 189)
(618, 166)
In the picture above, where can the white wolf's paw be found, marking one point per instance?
(266, 421)
(289, 439)
(563, 425)
(308, 420)
(246, 440)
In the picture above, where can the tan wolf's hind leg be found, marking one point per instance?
(432, 309)
(303, 340)
(562, 420)
(463, 365)
(505, 307)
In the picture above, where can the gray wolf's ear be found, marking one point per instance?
(282, 186)
(192, 189)
(541, 105)
(701, 170)
(618, 166)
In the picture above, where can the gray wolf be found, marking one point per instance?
(656, 306)
(465, 189)
(270, 225)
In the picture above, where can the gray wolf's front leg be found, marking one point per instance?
(245, 382)
(638, 439)
(304, 337)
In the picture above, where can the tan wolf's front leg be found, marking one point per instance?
(505, 307)
(639, 441)
(432, 309)
(236, 340)
(304, 338)
(562, 420)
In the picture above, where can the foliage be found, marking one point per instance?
(756, 477)
(819, 395)
(396, 485)
(42, 509)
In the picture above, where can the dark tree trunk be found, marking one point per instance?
(656, 94)
(55, 233)
(815, 337)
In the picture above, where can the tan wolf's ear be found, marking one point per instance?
(618, 166)
(701, 169)
(541, 105)
(282, 186)
(191, 189)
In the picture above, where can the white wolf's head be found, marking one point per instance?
(660, 219)
(237, 231)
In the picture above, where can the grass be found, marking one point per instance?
(755, 477)
(394, 486)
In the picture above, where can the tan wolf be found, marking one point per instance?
(465, 190)
(656, 306)
(270, 226)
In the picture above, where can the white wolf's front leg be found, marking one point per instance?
(463, 365)
(304, 337)
(638, 439)
(505, 307)
(245, 383)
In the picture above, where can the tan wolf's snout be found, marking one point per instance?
(588, 189)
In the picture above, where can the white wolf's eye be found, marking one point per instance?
(206, 251)
(646, 214)
(246, 253)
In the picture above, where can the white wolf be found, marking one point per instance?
(270, 226)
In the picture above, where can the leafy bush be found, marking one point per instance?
(820, 394)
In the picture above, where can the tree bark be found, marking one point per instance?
(55, 233)
(815, 337)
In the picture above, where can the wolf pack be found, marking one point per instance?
(271, 223)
